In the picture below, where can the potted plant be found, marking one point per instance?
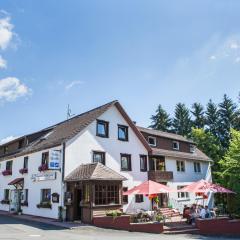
(19, 212)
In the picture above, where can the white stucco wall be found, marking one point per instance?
(186, 178)
(34, 188)
(79, 150)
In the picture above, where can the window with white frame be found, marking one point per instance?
(192, 148)
(180, 166)
(182, 195)
(175, 145)
(197, 167)
(152, 141)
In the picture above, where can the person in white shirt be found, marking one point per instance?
(203, 213)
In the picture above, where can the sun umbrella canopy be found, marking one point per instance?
(204, 186)
(149, 187)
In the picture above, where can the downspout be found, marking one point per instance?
(62, 181)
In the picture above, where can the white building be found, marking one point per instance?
(54, 172)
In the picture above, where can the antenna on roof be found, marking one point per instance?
(69, 112)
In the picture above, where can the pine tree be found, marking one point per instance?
(198, 114)
(228, 117)
(161, 121)
(182, 120)
(212, 118)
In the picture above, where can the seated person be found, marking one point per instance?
(203, 212)
(207, 212)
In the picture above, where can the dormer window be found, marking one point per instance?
(20, 143)
(152, 141)
(5, 149)
(192, 148)
(175, 145)
(102, 129)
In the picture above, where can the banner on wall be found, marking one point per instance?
(54, 159)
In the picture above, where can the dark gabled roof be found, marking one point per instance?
(197, 155)
(63, 131)
(93, 171)
(159, 133)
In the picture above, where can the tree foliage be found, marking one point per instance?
(230, 165)
(227, 119)
(161, 120)
(198, 115)
(182, 121)
(212, 118)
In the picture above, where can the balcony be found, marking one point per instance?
(160, 176)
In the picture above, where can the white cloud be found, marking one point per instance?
(237, 60)
(3, 62)
(6, 30)
(72, 84)
(11, 88)
(7, 139)
(234, 45)
(213, 57)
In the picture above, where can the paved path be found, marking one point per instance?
(18, 229)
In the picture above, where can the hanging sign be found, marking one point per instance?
(54, 159)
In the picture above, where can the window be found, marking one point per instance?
(25, 162)
(122, 133)
(143, 163)
(20, 143)
(157, 164)
(175, 145)
(106, 194)
(99, 157)
(45, 158)
(102, 128)
(24, 196)
(126, 164)
(86, 193)
(5, 149)
(138, 198)
(180, 166)
(192, 148)
(6, 194)
(182, 195)
(197, 167)
(152, 141)
(125, 197)
(46, 196)
(9, 165)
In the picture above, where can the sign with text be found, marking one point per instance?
(54, 159)
(44, 176)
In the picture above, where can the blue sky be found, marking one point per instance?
(87, 53)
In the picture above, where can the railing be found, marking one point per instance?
(176, 204)
(159, 176)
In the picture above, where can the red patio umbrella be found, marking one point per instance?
(148, 188)
(205, 187)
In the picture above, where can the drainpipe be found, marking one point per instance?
(62, 181)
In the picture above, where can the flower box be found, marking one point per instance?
(6, 172)
(5, 202)
(44, 205)
(23, 170)
(43, 167)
